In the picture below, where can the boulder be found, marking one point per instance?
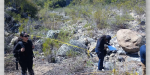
(129, 40)
(136, 59)
(109, 65)
(121, 52)
(142, 23)
(10, 9)
(13, 40)
(74, 45)
(53, 33)
(38, 45)
(120, 59)
(6, 33)
(83, 40)
(92, 47)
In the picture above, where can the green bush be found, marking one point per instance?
(101, 17)
(48, 45)
(64, 36)
(71, 53)
(23, 6)
(23, 26)
(140, 7)
(120, 21)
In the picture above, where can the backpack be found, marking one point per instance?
(15, 42)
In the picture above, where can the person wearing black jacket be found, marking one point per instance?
(23, 52)
(101, 50)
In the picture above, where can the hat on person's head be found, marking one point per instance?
(108, 37)
(24, 34)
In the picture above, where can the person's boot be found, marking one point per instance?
(24, 73)
(31, 72)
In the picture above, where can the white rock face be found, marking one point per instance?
(13, 40)
(92, 47)
(129, 40)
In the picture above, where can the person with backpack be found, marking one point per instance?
(23, 52)
(143, 58)
(100, 49)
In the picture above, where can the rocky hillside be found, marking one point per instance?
(63, 35)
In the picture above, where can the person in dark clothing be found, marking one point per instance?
(23, 52)
(19, 40)
(143, 58)
(101, 50)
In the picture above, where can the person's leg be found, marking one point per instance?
(30, 65)
(23, 67)
(144, 69)
(100, 63)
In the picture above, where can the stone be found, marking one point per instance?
(80, 47)
(38, 45)
(108, 65)
(142, 23)
(13, 40)
(120, 59)
(92, 47)
(121, 52)
(129, 59)
(53, 33)
(129, 40)
(112, 55)
(6, 33)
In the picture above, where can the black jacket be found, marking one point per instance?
(27, 54)
(100, 45)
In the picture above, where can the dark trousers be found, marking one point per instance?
(26, 64)
(101, 59)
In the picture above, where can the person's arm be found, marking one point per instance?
(98, 44)
(32, 48)
(18, 48)
(22, 46)
(107, 43)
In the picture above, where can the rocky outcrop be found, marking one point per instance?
(129, 40)
(92, 47)
(11, 25)
(53, 33)
(65, 48)
(38, 45)
(13, 40)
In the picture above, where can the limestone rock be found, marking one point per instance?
(129, 40)
(92, 47)
(53, 33)
(13, 40)
(80, 47)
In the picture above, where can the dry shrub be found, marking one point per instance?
(9, 63)
(71, 66)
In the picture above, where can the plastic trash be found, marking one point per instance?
(111, 48)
